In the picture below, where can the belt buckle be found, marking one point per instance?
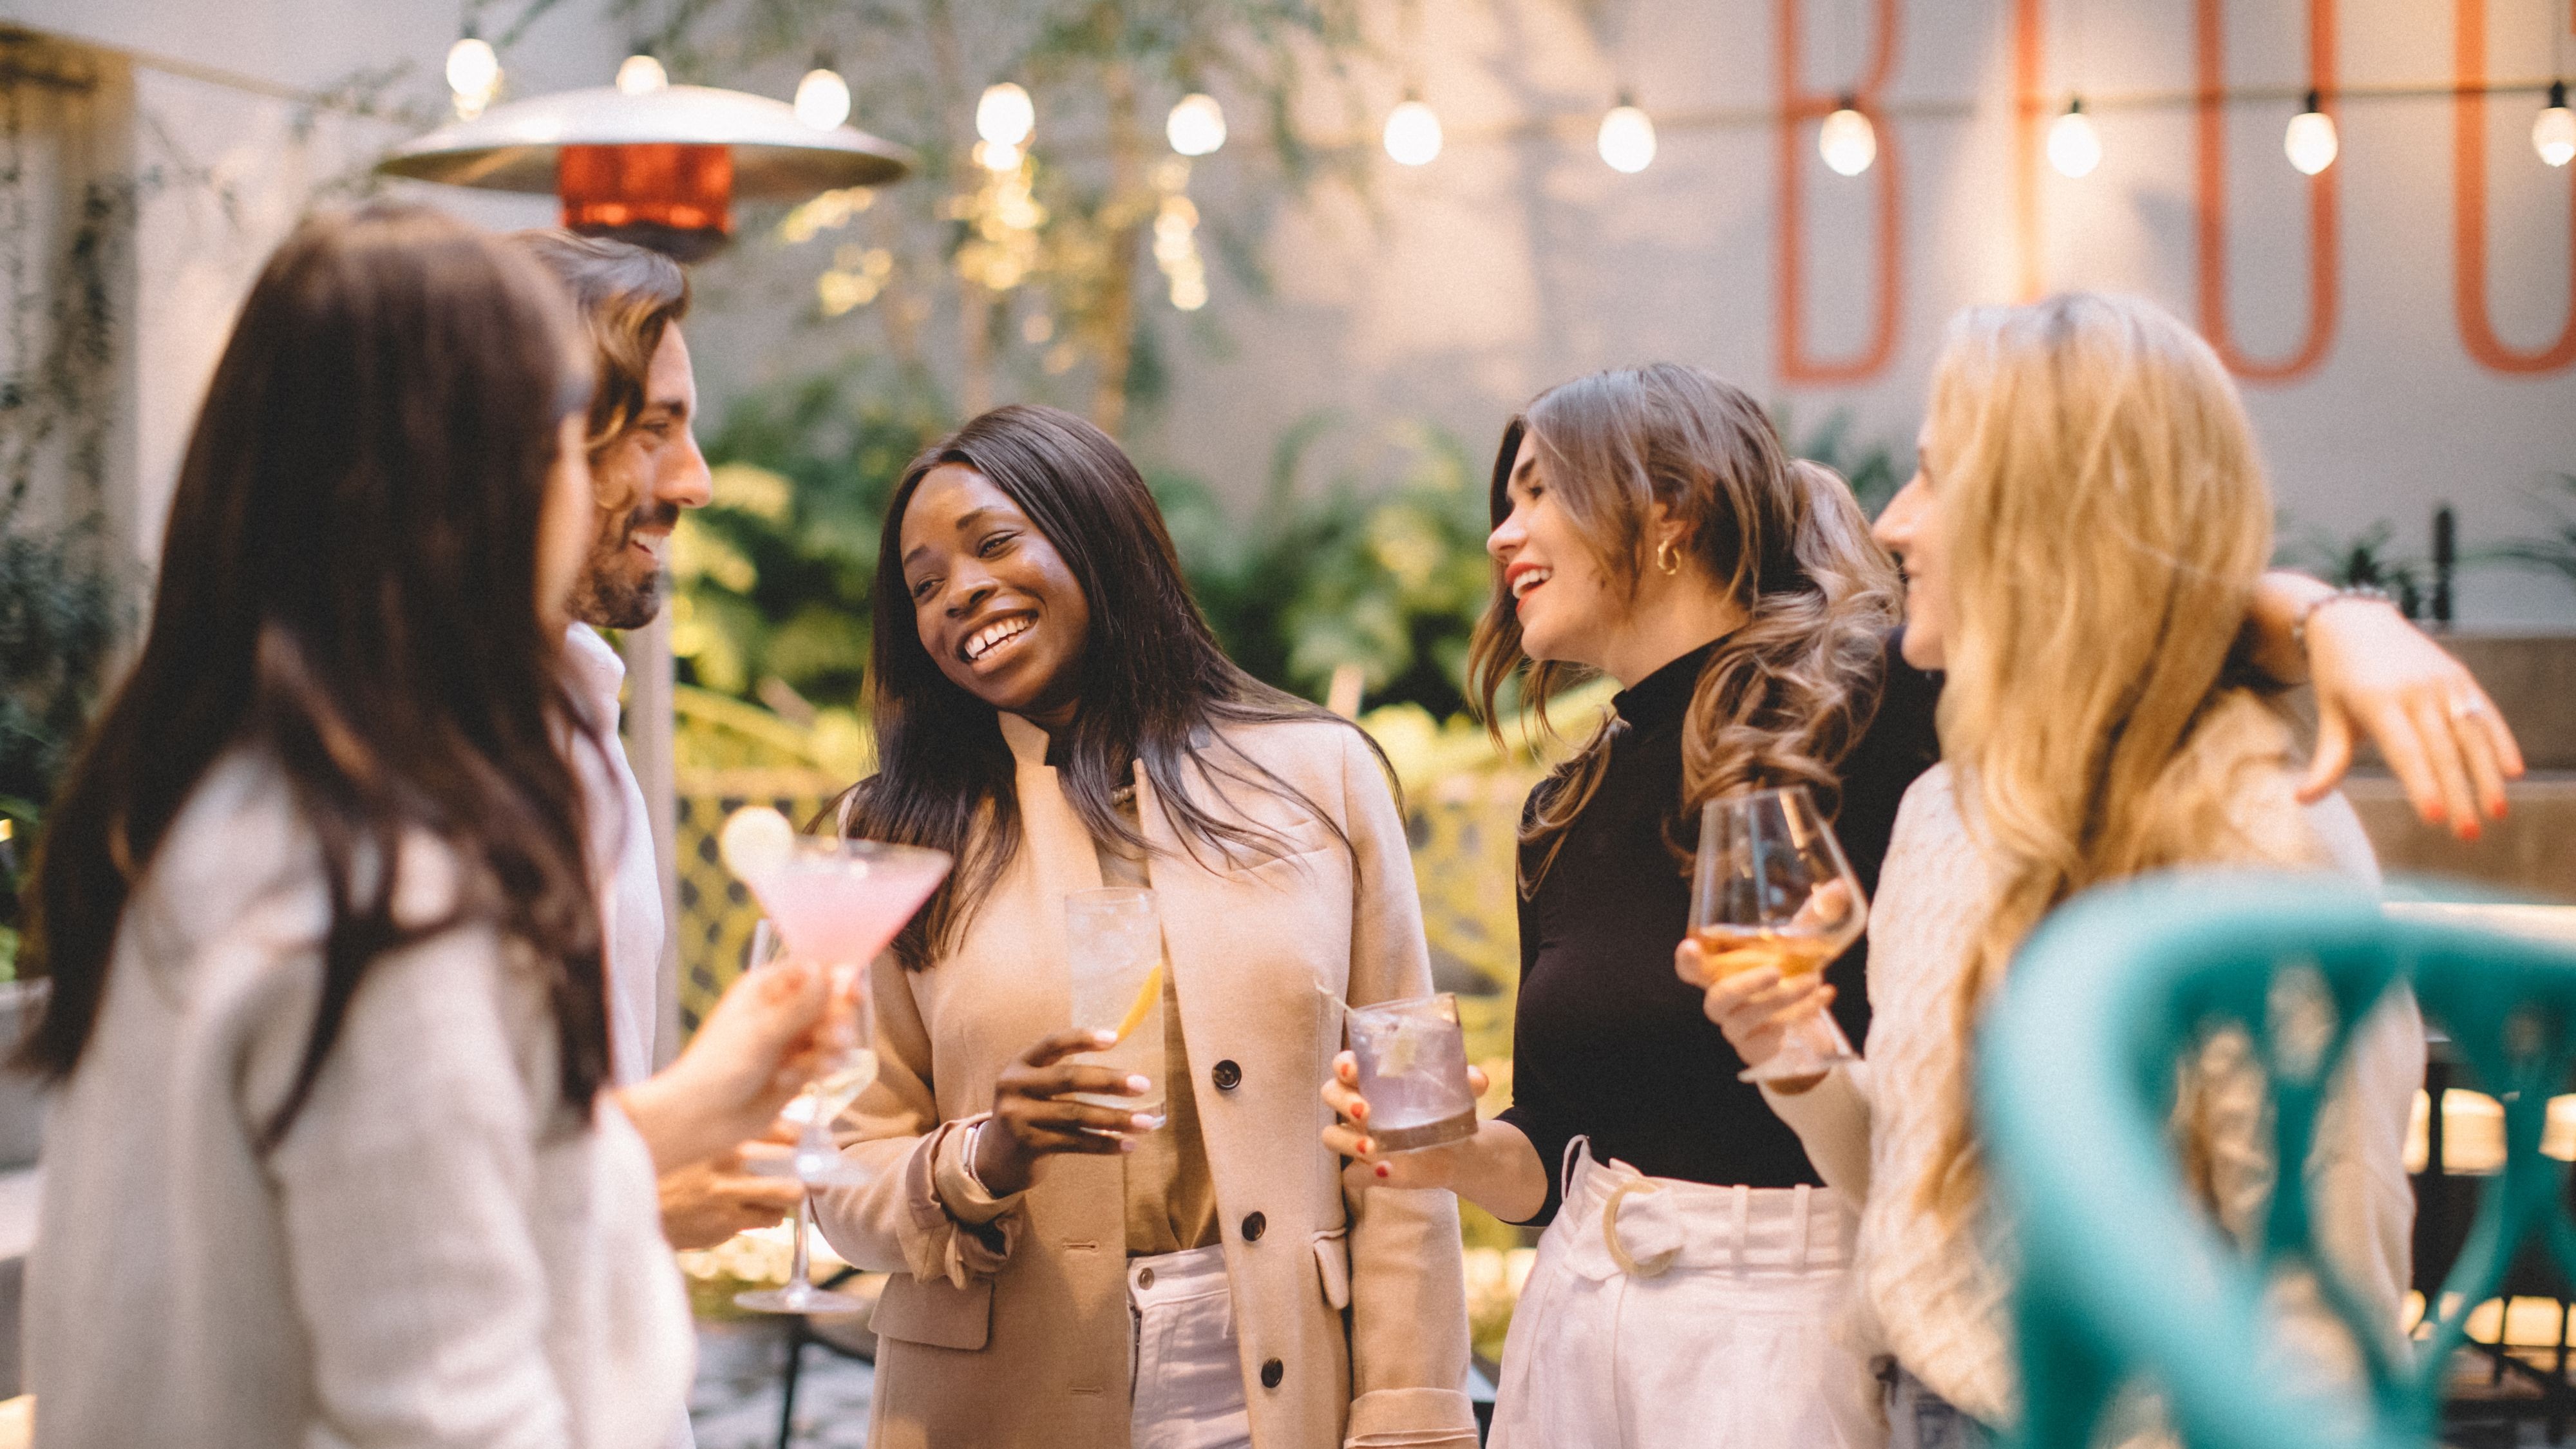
(1610, 1230)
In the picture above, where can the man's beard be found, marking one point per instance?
(609, 596)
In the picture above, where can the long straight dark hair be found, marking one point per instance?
(349, 589)
(1154, 685)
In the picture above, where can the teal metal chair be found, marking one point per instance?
(2121, 1279)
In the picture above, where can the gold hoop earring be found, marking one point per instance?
(1668, 560)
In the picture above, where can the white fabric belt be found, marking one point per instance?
(1172, 1277)
(1650, 1225)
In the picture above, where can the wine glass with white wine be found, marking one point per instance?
(1772, 889)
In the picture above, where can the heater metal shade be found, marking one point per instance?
(662, 168)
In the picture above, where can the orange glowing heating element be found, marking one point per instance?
(686, 188)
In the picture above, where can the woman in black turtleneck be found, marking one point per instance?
(1649, 526)
(1611, 1045)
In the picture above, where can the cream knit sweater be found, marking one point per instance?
(1934, 1295)
(439, 1253)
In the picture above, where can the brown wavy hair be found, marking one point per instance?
(1784, 697)
(628, 297)
(349, 590)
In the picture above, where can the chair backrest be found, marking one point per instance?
(2120, 1278)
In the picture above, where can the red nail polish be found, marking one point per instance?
(1381, 1169)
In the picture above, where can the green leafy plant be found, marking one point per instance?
(2364, 559)
(1875, 468)
(774, 575)
(1385, 581)
(2554, 550)
(1064, 268)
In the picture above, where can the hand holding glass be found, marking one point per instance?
(1771, 888)
(1412, 1058)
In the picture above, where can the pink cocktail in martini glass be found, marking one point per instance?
(837, 903)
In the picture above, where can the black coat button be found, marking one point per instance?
(1227, 1076)
(1254, 1226)
(1272, 1371)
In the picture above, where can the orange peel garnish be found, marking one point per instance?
(1146, 996)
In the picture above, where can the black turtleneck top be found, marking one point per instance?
(1608, 1042)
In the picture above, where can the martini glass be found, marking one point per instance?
(837, 903)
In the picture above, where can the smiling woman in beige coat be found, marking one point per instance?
(1061, 719)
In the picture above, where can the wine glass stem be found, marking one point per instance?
(798, 1282)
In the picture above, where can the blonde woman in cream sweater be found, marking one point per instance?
(2094, 726)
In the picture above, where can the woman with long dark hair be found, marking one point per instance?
(1052, 710)
(1650, 526)
(330, 1160)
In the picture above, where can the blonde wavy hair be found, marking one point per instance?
(1785, 696)
(2106, 517)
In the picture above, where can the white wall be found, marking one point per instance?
(1513, 262)
(235, 141)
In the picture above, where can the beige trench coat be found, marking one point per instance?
(1350, 1307)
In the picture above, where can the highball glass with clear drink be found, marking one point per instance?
(1114, 963)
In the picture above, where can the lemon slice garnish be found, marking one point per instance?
(756, 841)
(1146, 996)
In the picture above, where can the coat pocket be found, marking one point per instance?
(937, 1313)
(1333, 1266)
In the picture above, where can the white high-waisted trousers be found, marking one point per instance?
(1188, 1392)
(1676, 1313)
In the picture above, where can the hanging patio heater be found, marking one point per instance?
(661, 169)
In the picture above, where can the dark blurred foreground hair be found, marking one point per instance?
(1155, 687)
(349, 588)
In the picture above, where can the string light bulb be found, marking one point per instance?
(1413, 133)
(2074, 147)
(823, 97)
(1847, 141)
(1627, 138)
(1196, 126)
(641, 75)
(473, 73)
(2311, 141)
(1005, 116)
(2553, 133)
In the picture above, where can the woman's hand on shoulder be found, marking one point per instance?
(2377, 676)
(1755, 1008)
(1035, 1116)
(1349, 1137)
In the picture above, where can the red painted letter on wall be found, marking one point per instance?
(2324, 268)
(1798, 110)
(2469, 203)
